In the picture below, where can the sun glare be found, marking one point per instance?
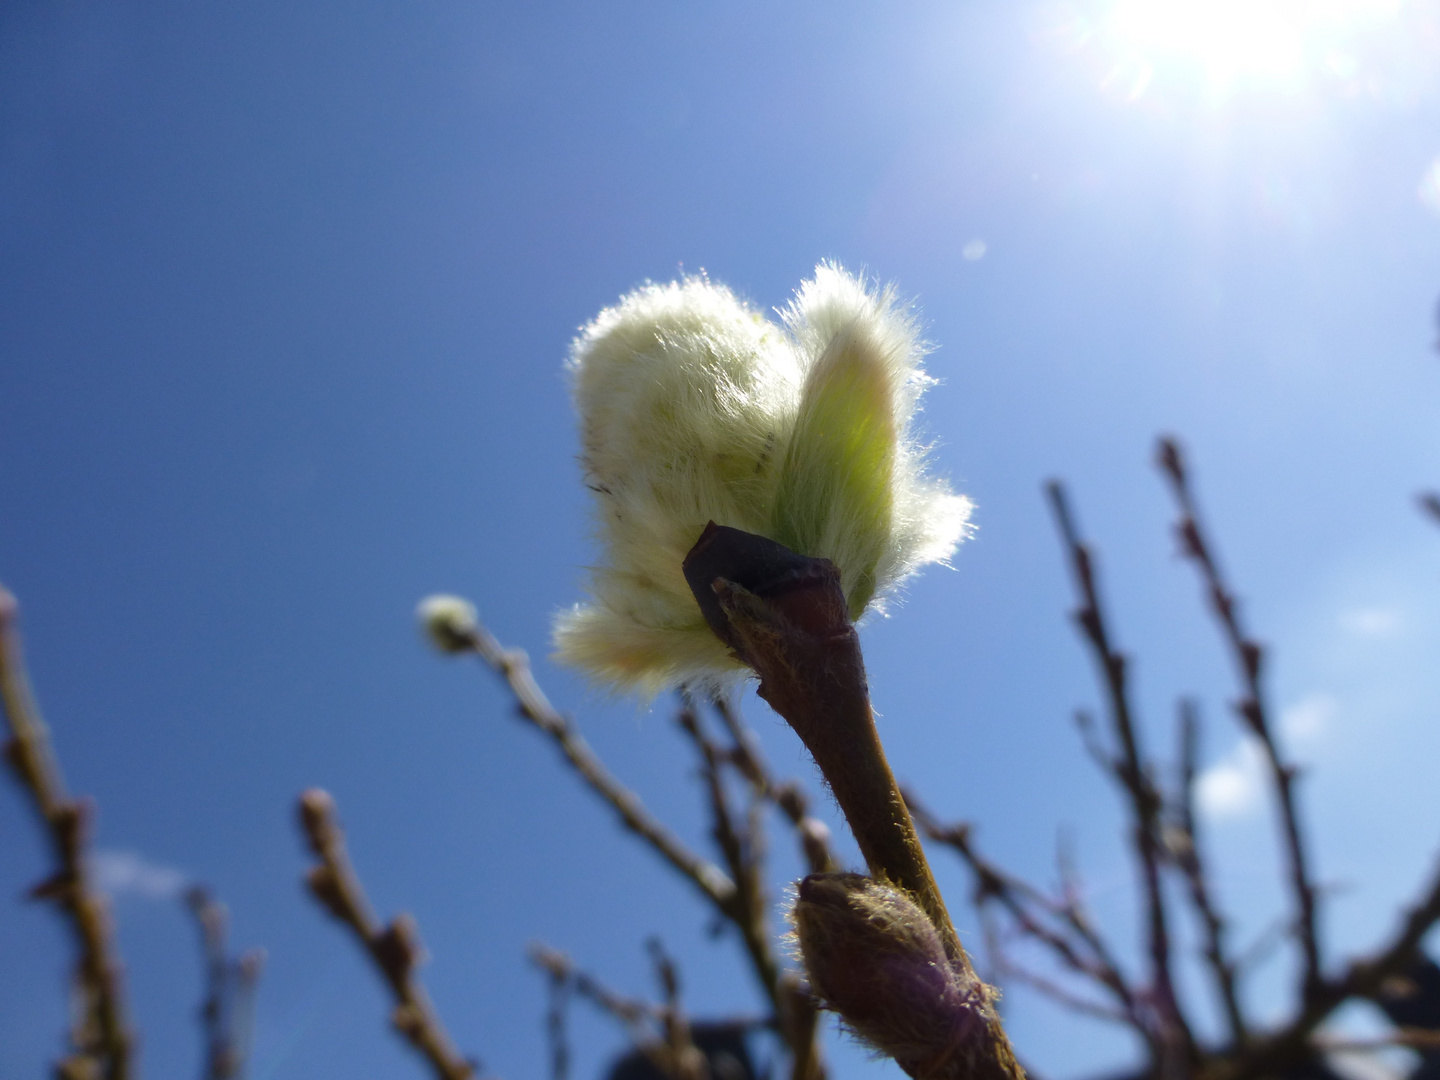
(1227, 45)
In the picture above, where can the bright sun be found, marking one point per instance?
(1229, 43)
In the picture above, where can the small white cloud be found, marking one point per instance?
(1429, 190)
(1309, 717)
(127, 873)
(975, 250)
(1233, 785)
(1371, 622)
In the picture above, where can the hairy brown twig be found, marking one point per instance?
(785, 616)
(394, 949)
(1172, 1044)
(101, 1039)
(1248, 655)
(227, 1010)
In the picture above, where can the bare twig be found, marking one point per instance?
(394, 949)
(739, 847)
(802, 1020)
(101, 1038)
(660, 1032)
(226, 1012)
(640, 1018)
(1008, 969)
(1363, 978)
(1187, 855)
(514, 667)
(1248, 655)
(1078, 946)
(1173, 1043)
(555, 1026)
(743, 850)
(689, 1062)
(1414, 1038)
(742, 903)
(791, 799)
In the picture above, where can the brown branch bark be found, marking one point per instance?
(395, 949)
(1252, 709)
(101, 1038)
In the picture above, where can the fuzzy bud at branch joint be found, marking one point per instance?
(874, 957)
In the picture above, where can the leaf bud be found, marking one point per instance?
(450, 622)
(875, 958)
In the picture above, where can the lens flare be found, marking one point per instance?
(1225, 46)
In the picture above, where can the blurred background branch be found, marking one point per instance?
(100, 1035)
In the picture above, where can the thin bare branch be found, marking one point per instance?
(555, 1025)
(395, 949)
(514, 667)
(1188, 856)
(101, 1038)
(747, 910)
(640, 1018)
(225, 1013)
(814, 834)
(1077, 946)
(1362, 978)
(743, 851)
(688, 1061)
(802, 1023)
(1010, 970)
(1174, 1043)
(1252, 709)
(1414, 1038)
(740, 903)
(660, 1032)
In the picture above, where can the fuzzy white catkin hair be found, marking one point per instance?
(696, 408)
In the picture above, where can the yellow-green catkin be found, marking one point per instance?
(694, 408)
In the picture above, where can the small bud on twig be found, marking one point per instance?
(876, 959)
(450, 622)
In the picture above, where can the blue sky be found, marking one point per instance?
(285, 291)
